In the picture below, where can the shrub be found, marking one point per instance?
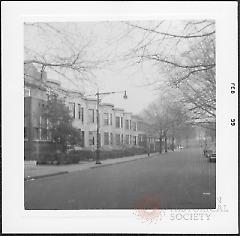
(74, 157)
(81, 155)
(46, 159)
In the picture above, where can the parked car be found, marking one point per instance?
(210, 152)
(73, 148)
(208, 149)
(180, 147)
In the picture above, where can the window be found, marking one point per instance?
(117, 122)
(110, 119)
(134, 126)
(130, 124)
(48, 125)
(91, 115)
(117, 137)
(111, 139)
(106, 138)
(82, 113)
(79, 111)
(106, 120)
(44, 134)
(49, 135)
(127, 139)
(43, 122)
(40, 121)
(41, 105)
(91, 141)
(27, 92)
(82, 139)
(135, 140)
(141, 126)
(122, 139)
(126, 124)
(36, 133)
(40, 133)
(72, 109)
(91, 138)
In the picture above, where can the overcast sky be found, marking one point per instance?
(102, 41)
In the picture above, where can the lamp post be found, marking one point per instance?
(98, 133)
(98, 120)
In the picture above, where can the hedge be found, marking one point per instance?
(87, 155)
(36, 150)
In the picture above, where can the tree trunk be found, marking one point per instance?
(173, 143)
(165, 143)
(64, 146)
(160, 144)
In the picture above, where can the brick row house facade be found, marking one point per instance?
(117, 127)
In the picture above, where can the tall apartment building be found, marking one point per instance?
(117, 127)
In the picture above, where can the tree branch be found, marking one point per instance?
(172, 35)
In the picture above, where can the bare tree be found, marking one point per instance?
(62, 49)
(165, 115)
(184, 52)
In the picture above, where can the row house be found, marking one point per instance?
(117, 127)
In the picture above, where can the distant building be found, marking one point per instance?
(117, 128)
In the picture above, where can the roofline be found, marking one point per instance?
(118, 109)
(74, 91)
(107, 104)
(90, 99)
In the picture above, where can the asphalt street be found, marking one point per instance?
(175, 180)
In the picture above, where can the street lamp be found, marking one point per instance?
(125, 95)
(98, 120)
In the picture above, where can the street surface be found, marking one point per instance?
(175, 180)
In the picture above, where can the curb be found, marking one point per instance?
(110, 164)
(43, 176)
(91, 167)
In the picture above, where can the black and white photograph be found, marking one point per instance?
(124, 114)
(136, 98)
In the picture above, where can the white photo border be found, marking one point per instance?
(18, 220)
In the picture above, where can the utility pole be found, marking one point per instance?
(98, 119)
(98, 134)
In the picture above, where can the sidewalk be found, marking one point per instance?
(41, 171)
